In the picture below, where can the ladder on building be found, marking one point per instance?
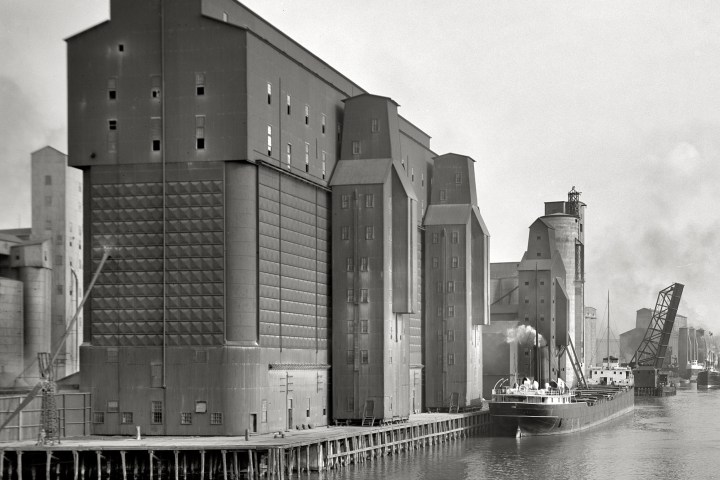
(368, 413)
(454, 402)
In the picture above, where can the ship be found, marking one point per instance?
(611, 374)
(525, 410)
(708, 378)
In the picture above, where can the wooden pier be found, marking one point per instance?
(277, 455)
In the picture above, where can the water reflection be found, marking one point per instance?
(663, 438)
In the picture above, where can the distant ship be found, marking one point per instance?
(708, 378)
(525, 410)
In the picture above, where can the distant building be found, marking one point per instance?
(57, 215)
(43, 268)
(630, 341)
(25, 308)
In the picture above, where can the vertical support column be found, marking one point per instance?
(250, 464)
(177, 465)
(2, 464)
(150, 452)
(124, 465)
(236, 467)
(224, 462)
(202, 464)
(48, 456)
(99, 465)
(76, 464)
(19, 464)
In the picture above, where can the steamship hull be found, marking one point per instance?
(592, 407)
(708, 379)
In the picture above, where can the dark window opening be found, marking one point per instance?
(200, 143)
(121, 47)
(156, 145)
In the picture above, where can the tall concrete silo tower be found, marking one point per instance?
(568, 220)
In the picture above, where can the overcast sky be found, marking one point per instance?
(620, 99)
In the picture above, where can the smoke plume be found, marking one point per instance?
(523, 335)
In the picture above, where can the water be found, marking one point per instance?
(664, 438)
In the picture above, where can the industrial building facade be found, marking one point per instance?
(265, 219)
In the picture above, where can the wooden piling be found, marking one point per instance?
(202, 464)
(150, 453)
(224, 462)
(124, 466)
(2, 464)
(48, 456)
(19, 464)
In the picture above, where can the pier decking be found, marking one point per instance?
(279, 454)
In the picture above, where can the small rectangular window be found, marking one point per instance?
(113, 406)
(451, 335)
(200, 132)
(269, 141)
(443, 195)
(323, 119)
(156, 83)
(126, 418)
(374, 125)
(349, 356)
(454, 237)
(112, 124)
(364, 295)
(324, 160)
(455, 262)
(363, 326)
(157, 412)
(363, 264)
(269, 93)
(344, 233)
(458, 178)
(435, 262)
(185, 418)
(369, 200)
(156, 145)
(364, 356)
(436, 237)
(121, 47)
(451, 359)
(349, 264)
(48, 180)
(450, 286)
(307, 157)
(344, 201)
(200, 406)
(438, 287)
(288, 154)
(200, 83)
(263, 414)
(369, 232)
(439, 311)
(307, 114)
(98, 417)
(422, 179)
(288, 104)
(451, 311)
(216, 418)
(350, 295)
(112, 88)
(356, 147)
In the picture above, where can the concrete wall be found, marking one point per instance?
(11, 330)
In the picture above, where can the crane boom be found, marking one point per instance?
(653, 348)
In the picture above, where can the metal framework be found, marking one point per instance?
(652, 350)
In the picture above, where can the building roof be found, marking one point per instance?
(372, 171)
(452, 214)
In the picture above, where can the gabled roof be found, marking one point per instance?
(371, 171)
(452, 214)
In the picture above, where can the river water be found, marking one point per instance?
(664, 438)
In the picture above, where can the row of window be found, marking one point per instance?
(454, 262)
(369, 232)
(450, 311)
(288, 110)
(155, 84)
(369, 200)
(454, 237)
(156, 132)
(450, 287)
(363, 296)
(364, 326)
(450, 335)
(289, 150)
(156, 412)
(350, 264)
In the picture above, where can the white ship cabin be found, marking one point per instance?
(610, 374)
(528, 392)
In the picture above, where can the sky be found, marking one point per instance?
(617, 98)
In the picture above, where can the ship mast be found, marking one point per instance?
(608, 331)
